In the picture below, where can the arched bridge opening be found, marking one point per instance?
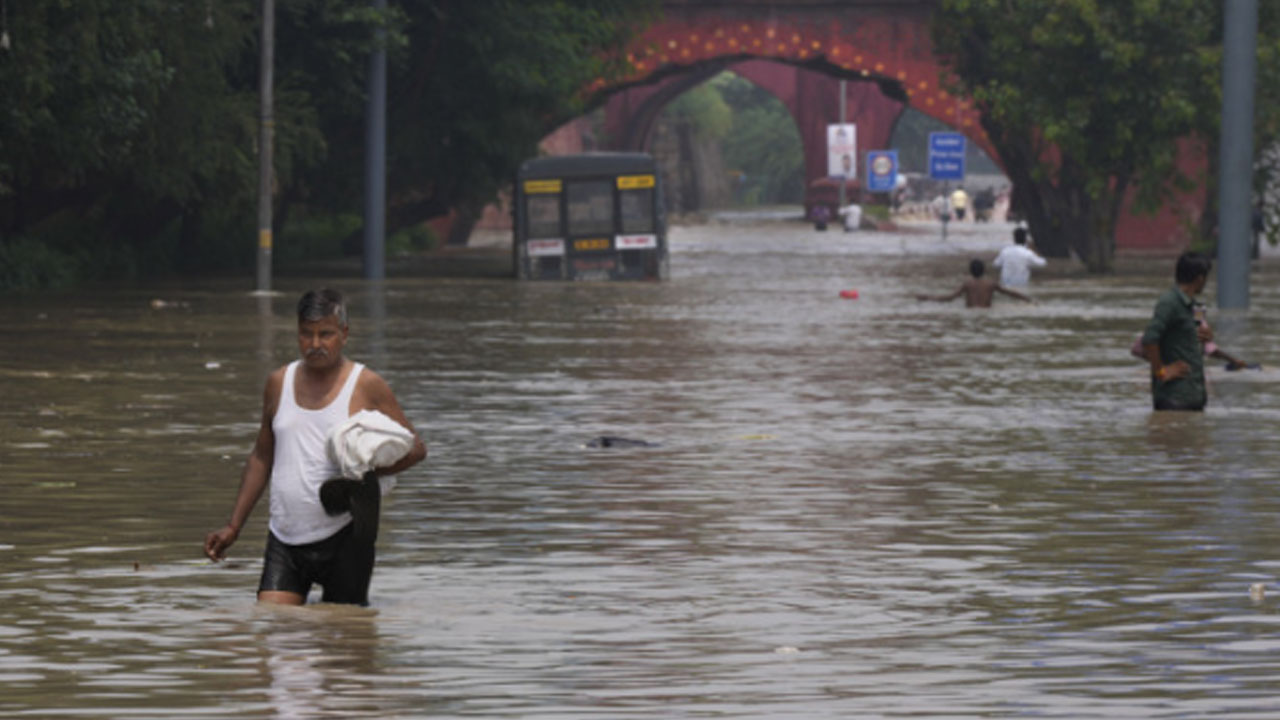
(727, 140)
(884, 49)
(800, 52)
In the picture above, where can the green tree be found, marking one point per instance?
(472, 88)
(1084, 100)
(1267, 118)
(763, 144)
(705, 110)
(1266, 125)
(481, 83)
(127, 144)
(85, 84)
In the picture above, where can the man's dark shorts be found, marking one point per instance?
(342, 567)
(1167, 404)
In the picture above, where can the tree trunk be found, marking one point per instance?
(1091, 246)
(463, 223)
(1062, 217)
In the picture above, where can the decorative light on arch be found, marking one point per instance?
(664, 46)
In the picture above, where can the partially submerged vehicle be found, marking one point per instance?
(593, 216)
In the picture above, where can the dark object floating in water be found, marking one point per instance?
(609, 441)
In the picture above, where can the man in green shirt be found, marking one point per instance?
(1173, 340)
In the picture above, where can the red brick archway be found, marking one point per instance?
(812, 98)
(886, 46)
(799, 50)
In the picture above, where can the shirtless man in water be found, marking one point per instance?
(977, 290)
(303, 401)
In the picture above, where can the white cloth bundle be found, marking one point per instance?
(368, 440)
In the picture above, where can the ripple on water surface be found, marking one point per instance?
(874, 507)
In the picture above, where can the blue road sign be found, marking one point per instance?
(945, 168)
(946, 142)
(882, 170)
(946, 156)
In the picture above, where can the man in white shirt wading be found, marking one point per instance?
(1015, 261)
(302, 403)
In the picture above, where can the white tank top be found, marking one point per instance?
(302, 463)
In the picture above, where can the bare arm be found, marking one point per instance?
(1013, 293)
(254, 477)
(943, 298)
(1159, 370)
(1234, 362)
(378, 396)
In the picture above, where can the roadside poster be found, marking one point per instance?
(842, 149)
(882, 170)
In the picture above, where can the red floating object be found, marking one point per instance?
(849, 294)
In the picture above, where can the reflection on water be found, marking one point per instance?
(871, 507)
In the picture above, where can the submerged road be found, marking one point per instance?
(869, 508)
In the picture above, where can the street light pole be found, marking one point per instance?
(266, 131)
(1235, 183)
(843, 176)
(375, 156)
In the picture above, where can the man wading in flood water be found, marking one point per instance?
(303, 403)
(977, 290)
(1173, 340)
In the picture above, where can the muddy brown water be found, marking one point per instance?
(869, 508)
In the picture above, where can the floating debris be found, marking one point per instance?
(1258, 592)
(609, 441)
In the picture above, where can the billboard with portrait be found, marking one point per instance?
(842, 150)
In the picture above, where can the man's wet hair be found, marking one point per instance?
(319, 304)
(1192, 265)
(977, 267)
(1020, 235)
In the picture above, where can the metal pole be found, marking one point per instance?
(266, 151)
(946, 207)
(266, 335)
(1235, 183)
(843, 176)
(375, 158)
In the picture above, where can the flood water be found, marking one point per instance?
(870, 508)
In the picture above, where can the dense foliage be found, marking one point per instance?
(764, 145)
(1084, 101)
(127, 145)
(756, 134)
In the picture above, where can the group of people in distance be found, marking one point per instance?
(1174, 343)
